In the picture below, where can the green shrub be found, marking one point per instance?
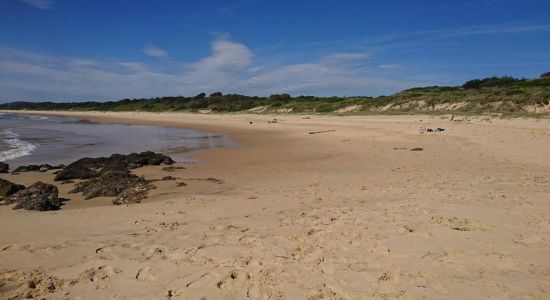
(490, 82)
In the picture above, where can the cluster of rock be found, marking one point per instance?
(38, 196)
(111, 177)
(37, 168)
(125, 186)
(87, 168)
(5, 168)
(102, 176)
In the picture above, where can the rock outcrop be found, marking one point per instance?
(8, 188)
(4, 167)
(127, 187)
(111, 177)
(102, 177)
(37, 168)
(133, 193)
(39, 196)
(75, 171)
(87, 168)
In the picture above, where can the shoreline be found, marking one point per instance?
(64, 139)
(341, 214)
(238, 130)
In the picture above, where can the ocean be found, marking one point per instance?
(35, 139)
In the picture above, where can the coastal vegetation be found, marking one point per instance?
(499, 95)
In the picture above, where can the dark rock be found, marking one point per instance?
(29, 168)
(39, 196)
(74, 171)
(168, 178)
(135, 160)
(4, 167)
(133, 194)
(37, 168)
(8, 188)
(111, 177)
(181, 184)
(44, 168)
(87, 168)
(111, 183)
(417, 149)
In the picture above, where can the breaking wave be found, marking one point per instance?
(12, 146)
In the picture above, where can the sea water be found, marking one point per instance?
(35, 139)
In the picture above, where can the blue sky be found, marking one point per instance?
(64, 50)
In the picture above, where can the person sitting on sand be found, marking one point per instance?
(422, 129)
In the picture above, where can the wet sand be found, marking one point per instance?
(345, 214)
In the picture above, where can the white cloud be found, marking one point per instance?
(231, 67)
(222, 69)
(226, 56)
(154, 51)
(40, 4)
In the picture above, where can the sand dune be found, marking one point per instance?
(345, 214)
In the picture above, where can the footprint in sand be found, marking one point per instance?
(533, 241)
(156, 250)
(233, 277)
(174, 294)
(99, 273)
(145, 274)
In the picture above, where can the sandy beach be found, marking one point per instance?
(348, 213)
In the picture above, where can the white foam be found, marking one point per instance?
(38, 117)
(17, 147)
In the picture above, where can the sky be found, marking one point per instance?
(75, 50)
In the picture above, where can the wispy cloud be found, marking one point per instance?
(345, 57)
(406, 38)
(483, 30)
(154, 51)
(40, 4)
(230, 67)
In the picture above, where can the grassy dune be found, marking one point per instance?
(505, 96)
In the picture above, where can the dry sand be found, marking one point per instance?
(345, 214)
